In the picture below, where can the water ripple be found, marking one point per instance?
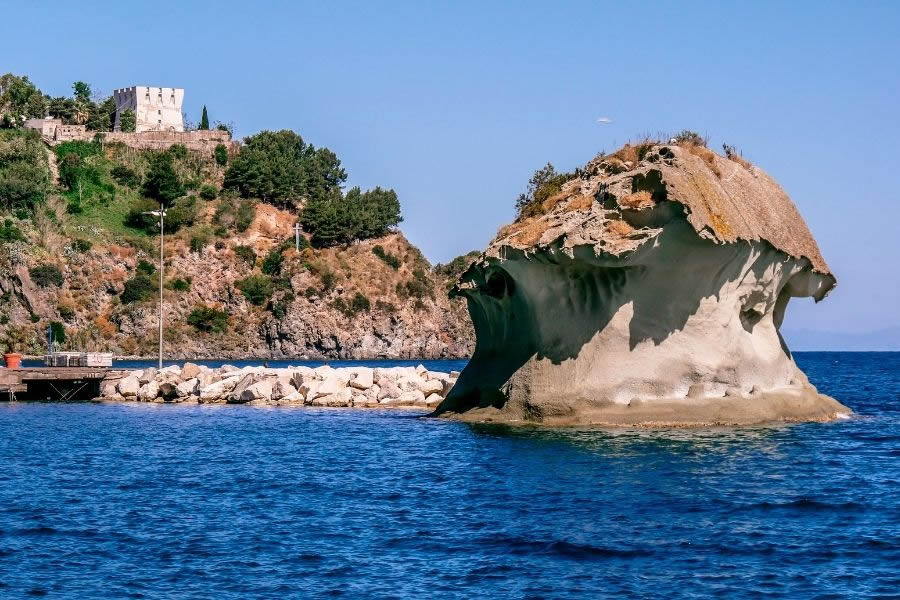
(144, 501)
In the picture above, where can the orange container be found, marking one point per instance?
(13, 360)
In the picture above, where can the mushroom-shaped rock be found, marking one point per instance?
(640, 295)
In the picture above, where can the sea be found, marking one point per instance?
(173, 501)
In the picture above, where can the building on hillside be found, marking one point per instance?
(54, 129)
(46, 127)
(155, 108)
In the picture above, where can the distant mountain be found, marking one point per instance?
(880, 340)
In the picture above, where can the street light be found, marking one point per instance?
(161, 213)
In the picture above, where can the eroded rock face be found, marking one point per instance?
(639, 301)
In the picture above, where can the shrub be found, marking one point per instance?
(180, 285)
(58, 332)
(145, 268)
(339, 305)
(310, 292)
(544, 184)
(10, 233)
(46, 275)
(389, 259)
(182, 213)
(416, 288)
(257, 289)
(328, 279)
(199, 241)
(271, 265)
(74, 207)
(245, 213)
(208, 192)
(138, 289)
(208, 319)
(221, 154)
(419, 306)
(246, 254)
(456, 267)
(178, 151)
(80, 245)
(280, 308)
(383, 306)
(687, 137)
(359, 303)
(66, 312)
(125, 176)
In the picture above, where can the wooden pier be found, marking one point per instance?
(54, 384)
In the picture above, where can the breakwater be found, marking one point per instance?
(356, 386)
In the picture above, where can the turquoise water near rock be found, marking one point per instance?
(170, 501)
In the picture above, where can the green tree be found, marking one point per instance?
(100, 116)
(545, 183)
(58, 331)
(281, 169)
(127, 121)
(162, 182)
(24, 175)
(82, 91)
(204, 120)
(61, 108)
(20, 100)
(336, 219)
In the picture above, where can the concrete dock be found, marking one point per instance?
(54, 384)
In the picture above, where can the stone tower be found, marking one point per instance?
(155, 108)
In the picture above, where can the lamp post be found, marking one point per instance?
(161, 213)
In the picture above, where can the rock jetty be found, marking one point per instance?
(395, 387)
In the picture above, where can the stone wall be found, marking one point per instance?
(200, 141)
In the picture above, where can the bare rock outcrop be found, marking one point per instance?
(650, 291)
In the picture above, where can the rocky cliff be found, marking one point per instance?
(70, 260)
(650, 290)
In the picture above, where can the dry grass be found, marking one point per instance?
(620, 227)
(636, 200)
(580, 203)
(741, 161)
(121, 251)
(732, 154)
(551, 202)
(532, 232)
(708, 156)
(508, 230)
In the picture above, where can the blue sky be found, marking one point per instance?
(454, 104)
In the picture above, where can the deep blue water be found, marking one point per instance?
(166, 501)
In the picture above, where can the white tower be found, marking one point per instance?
(155, 108)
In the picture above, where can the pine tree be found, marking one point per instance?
(204, 120)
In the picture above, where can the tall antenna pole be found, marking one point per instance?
(161, 234)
